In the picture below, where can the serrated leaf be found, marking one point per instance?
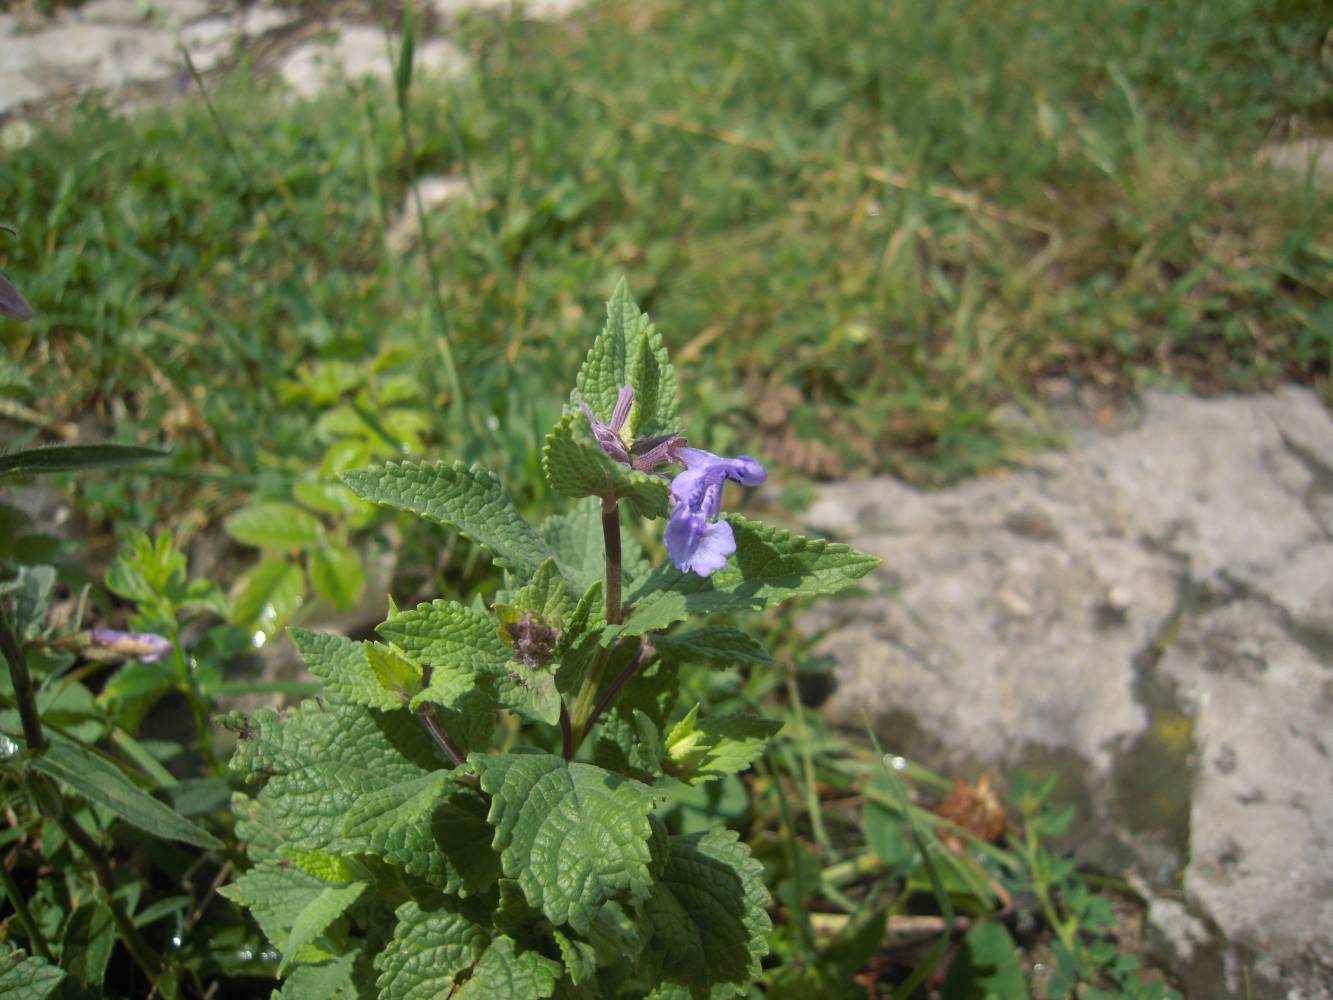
(100, 781)
(458, 644)
(546, 594)
(321, 759)
(701, 750)
(73, 458)
(272, 524)
(572, 835)
(506, 973)
(336, 574)
(719, 644)
(579, 957)
(330, 980)
(577, 543)
(344, 667)
(530, 693)
(576, 466)
(28, 977)
(276, 893)
(770, 566)
(629, 351)
(468, 498)
(266, 595)
(430, 947)
(395, 674)
(986, 967)
(706, 921)
(315, 918)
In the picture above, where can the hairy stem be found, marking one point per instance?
(611, 535)
(144, 955)
(566, 733)
(646, 652)
(36, 941)
(438, 734)
(24, 696)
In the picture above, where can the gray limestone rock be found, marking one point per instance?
(358, 51)
(1152, 608)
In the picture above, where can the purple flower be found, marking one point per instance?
(145, 646)
(695, 539)
(645, 454)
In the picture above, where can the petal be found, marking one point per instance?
(711, 551)
(746, 470)
(682, 534)
(623, 404)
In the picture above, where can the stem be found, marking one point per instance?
(611, 535)
(566, 733)
(198, 707)
(646, 652)
(441, 737)
(35, 939)
(24, 696)
(143, 954)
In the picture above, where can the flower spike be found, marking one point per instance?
(695, 539)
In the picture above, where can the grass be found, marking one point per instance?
(863, 227)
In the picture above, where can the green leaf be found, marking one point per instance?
(719, 644)
(337, 575)
(629, 351)
(986, 967)
(530, 693)
(74, 457)
(315, 918)
(468, 498)
(503, 974)
(579, 957)
(706, 922)
(102, 782)
(330, 980)
(277, 893)
(698, 751)
(576, 466)
(432, 829)
(271, 524)
(460, 646)
(86, 943)
(572, 835)
(321, 759)
(266, 595)
(345, 668)
(546, 594)
(770, 566)
(430, 947)
(403, 72)
(28, 977)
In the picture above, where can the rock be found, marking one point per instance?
(358, 51)
(76, 57)
(1301, 158)
(1152, 610)
(532, 10)
(404, 233)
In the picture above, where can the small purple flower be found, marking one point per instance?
(146, 646)
(695, 539)
(645, 454)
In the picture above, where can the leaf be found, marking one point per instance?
(86, 943)
(719, 644)
(74, 457)
(579, 957)
(266, 595)
(629, 351)
(503, 973)
(770, 566)
(458, 644)
(271, 524)
(576, 466)
(430, 947)
(315, 918)
(322, 759)
(545, 594)
(336, 574)
(403, 72)
(698, 751)
(330, 980)
(706, 921)
(572, 835)
(430, 828)
(276, 893)
(344, 667)
(468, 498)
(986, 967)
(102, 782)
(530, 693)
(28, 977)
